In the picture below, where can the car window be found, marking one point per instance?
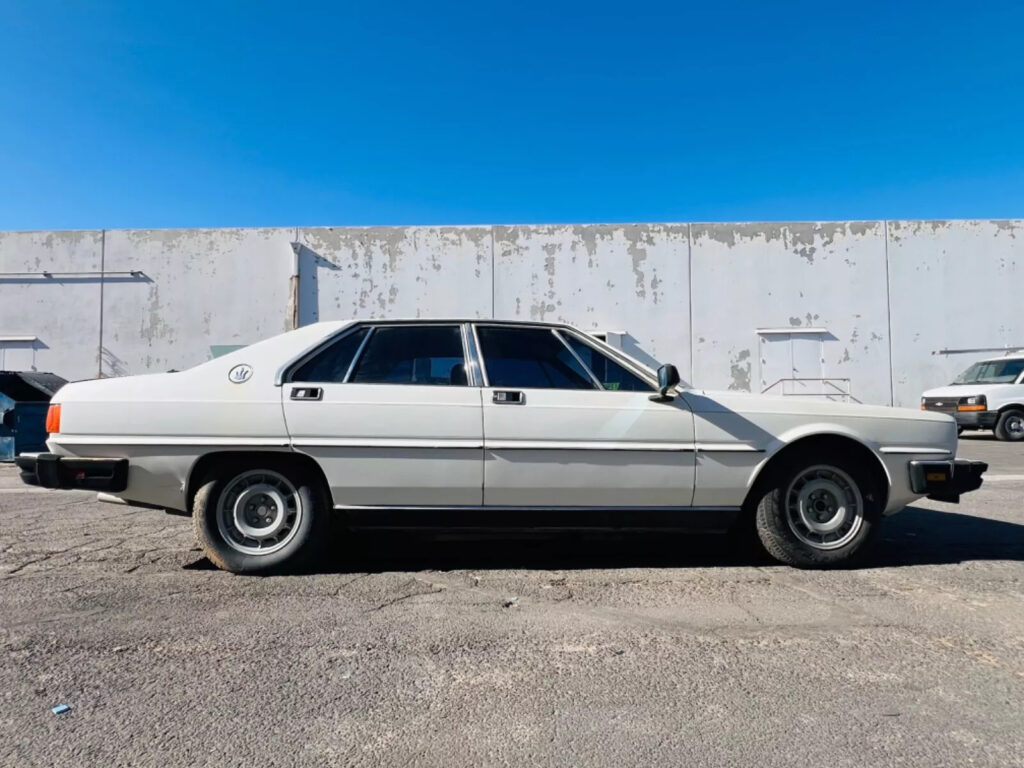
(611, 375)
(331, 364)
(426, 355)
(992, 372)
(530, 358)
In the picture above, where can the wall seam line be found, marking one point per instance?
(888, 314)
(689, 288)
(492, 272)
(103, 280)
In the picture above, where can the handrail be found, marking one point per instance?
(829, 381)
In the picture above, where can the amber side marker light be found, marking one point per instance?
(972, 407)
(53, 419)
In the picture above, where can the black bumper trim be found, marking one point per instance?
(946, 480)
(976, 419)
(48, 470)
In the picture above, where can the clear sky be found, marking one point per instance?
(183, 114)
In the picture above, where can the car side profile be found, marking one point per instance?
(988, 395)
(426, 422)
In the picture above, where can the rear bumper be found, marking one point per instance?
(48, 470)
(946, 480)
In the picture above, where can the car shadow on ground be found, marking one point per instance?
(916, 536)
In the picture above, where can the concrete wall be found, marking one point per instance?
(858, 305)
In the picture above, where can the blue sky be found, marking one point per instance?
(181, 114)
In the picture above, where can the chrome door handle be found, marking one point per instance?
(307, 393)
(508, 397)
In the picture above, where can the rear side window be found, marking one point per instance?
(425, 355)
(530, 358)
(611, 375)
(331, 364)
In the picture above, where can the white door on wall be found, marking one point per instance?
(792, 362)
(18, 353)
(776, 358)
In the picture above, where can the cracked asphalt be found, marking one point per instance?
(593, 650)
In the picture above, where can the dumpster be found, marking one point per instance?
(24, 399)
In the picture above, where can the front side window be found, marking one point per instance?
(529, 358)
(428, 355)
(611, 375)
(331, 364)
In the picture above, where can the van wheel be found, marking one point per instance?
(817, 513)
(260, 520)
(1010, 425)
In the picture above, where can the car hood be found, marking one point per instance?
(965, 390)
(705, 401)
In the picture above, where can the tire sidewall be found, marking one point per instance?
(772, 520)
(295, 555)
(1000, 429)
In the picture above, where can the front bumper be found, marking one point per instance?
(976, 419)
(49, 470)
(946, 480)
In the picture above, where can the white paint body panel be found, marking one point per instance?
(587, 448)
(390, 444)
(382, 445)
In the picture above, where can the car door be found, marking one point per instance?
(388, 412)
(559, 434)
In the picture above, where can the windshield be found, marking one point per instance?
(992, 372)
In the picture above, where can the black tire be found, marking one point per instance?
(1010, 425)
(297, 548)
(782, 528)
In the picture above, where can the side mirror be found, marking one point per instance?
(668, 378)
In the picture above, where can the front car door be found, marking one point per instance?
(565, 425)
(388, 413)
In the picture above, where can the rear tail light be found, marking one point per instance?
(53, 419)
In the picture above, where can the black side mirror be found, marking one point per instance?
(668, 378)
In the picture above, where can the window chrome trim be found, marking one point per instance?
(480, 355)
(471, 358)
(597, 383)
(358, 354)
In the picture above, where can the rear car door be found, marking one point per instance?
(561, 431)
(388, 412)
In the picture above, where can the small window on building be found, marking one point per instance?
(530, 358)
(331, 364)
(429, 355)
(611, 375)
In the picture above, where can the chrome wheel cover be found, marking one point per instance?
(258, 512)
(824, 507)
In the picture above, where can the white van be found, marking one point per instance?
(988, 395)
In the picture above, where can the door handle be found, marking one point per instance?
(307, 393)
(508, 397)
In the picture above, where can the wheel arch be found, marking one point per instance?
(824, 443)
(1010, 407)
(280, 460)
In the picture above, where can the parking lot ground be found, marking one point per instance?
(589, 650)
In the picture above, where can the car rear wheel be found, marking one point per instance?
(1010, 425)
(260, 520)
(817, 512)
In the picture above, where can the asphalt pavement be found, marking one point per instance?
(584, 650)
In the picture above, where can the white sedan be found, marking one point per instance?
(451, 422)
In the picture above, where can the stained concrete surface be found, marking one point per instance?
(618, 650)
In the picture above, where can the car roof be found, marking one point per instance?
(435, 320)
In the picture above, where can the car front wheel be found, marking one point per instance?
(1010, 425)
(260, 520)
(817, 513)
